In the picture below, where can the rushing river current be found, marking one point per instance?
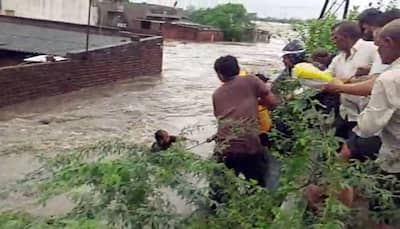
(179, 99)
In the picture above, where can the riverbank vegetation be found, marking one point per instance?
(121, 185)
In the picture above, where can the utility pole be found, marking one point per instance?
(323, 11)
(88, 26)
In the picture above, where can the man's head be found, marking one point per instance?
(227, 68)
(321, 56)
(293, 53)
(162, 137)
(369, 20)
(389, 42)
(345, 35)
(386, 17)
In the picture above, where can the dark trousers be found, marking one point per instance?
(265, 140)
(253, 167)
(343, 127)
(361, 148)
(364, 148)
(330, 102)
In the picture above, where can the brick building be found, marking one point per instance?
(191, 32)
(114, 12)
(111, 56)
(170, 22)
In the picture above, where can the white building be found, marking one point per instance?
(73, 11)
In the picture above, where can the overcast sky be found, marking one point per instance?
(275, 8)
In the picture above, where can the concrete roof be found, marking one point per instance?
(195, 25)
(42, 40)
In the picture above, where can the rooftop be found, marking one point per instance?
(194, 25)
(42, 40)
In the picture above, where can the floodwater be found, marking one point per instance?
(179, 99)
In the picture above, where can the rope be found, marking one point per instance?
(197, 145)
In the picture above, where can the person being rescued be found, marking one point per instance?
(163, 141)
(264, 118)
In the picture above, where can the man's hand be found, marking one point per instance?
(332, 88)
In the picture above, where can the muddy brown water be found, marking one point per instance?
(178, 99)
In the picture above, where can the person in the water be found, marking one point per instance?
(163, 141)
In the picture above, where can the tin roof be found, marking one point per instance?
(42, 40)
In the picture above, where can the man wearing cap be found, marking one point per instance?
(292, 54)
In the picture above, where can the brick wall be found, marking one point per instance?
(102, 66)
(170, 31)
(178, 32)
(210, 36)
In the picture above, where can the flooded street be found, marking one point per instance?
(133, 110)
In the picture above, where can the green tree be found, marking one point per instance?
(317, 34)
(232, 19)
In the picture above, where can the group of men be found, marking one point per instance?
(368, 111)
(368, 61)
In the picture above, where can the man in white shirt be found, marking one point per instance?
(354, 55)
(382, 115)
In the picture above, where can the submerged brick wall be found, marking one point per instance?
(102, 66)
(178, 32)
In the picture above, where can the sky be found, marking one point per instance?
(303, 9)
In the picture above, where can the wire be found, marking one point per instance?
(330, 8)
(340, 6)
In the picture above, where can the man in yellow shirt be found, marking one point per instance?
(264, 119)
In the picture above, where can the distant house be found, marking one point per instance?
(123, 14)
(170, 22)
